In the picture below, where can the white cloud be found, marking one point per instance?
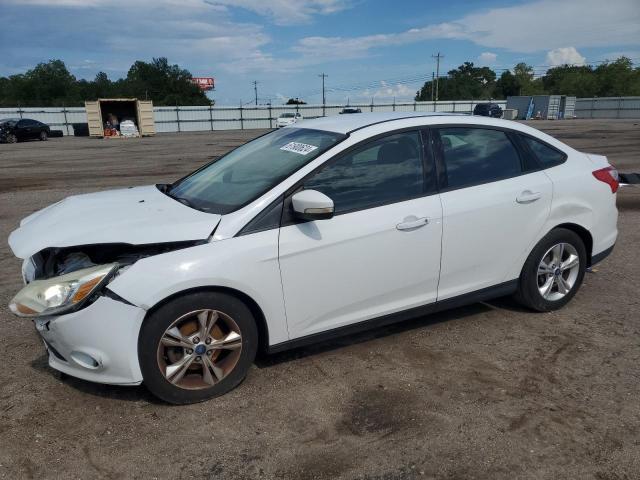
(288, 12)
(487, 58)
(564, 56)
(570, 22)
(281, 12)
(388, 91)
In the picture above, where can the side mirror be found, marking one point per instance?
(312, 205)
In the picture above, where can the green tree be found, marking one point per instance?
(295, 101)
(47, 84)
(163, 83)
(577, 81)
(507, 85)
(617, 78)
(465, 82)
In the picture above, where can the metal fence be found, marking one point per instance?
(608, 107)
(196, 118)
(193, 119)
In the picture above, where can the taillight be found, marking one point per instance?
(608, 175)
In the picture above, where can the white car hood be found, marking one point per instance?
(137, 216)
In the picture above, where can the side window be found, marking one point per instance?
(477, 155)
(546, 155)
(388, 170)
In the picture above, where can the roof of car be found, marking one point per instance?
(349, 123)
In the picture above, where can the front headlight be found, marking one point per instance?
(60, 294)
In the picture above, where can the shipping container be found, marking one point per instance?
(546, 107)
(139, 111)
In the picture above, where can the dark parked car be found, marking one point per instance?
(13, 130)
(488, 110)
(350, 110)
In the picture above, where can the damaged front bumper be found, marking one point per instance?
(98, 343)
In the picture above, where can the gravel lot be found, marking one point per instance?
(486, 391)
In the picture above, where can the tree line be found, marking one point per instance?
(51, 84)
(609, 79)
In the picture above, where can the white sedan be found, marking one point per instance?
(288, 118)
(336, 225)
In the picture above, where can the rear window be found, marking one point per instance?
(473, 156)
(547, 156)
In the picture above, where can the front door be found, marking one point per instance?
(379, 254)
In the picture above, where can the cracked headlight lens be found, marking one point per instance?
(60, 294)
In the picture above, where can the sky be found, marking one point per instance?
(370, 49)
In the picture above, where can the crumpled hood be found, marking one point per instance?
(137, 216)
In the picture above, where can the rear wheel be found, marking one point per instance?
(553, 271)
(43, 136)
(197, 347)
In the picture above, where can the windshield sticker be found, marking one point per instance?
(301, 148)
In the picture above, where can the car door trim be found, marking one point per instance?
(500, 290)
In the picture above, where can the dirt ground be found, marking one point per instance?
(488, 391)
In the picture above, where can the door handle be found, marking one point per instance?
(528, 196)
(412, 222)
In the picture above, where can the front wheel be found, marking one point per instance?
(553, 272)
(11, 138)
(197, 347)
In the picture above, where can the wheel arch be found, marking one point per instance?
(584, 235)
(256, 311)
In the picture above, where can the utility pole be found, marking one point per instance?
(324, 99)
(255, 89)
(437, 57)
(323, 76)
(433, 77)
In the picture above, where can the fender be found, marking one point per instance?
(249, 263)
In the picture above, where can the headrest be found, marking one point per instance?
(396, 152)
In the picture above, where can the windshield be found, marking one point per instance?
(10, 122)
(247, 172)
(287, 115)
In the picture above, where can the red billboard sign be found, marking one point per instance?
(205, 83)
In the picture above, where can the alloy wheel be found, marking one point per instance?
(199, 349)
(558, 271)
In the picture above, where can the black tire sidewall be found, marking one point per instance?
(43, 136)
(528, 292)
(159, 320)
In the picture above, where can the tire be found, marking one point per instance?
(11, 138)
(182, 320)
(545, 284)
(43, 136)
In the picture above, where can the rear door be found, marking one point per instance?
(24, 130)
(94, 119)
(494, 204)
(379, 254)
(146, 121)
